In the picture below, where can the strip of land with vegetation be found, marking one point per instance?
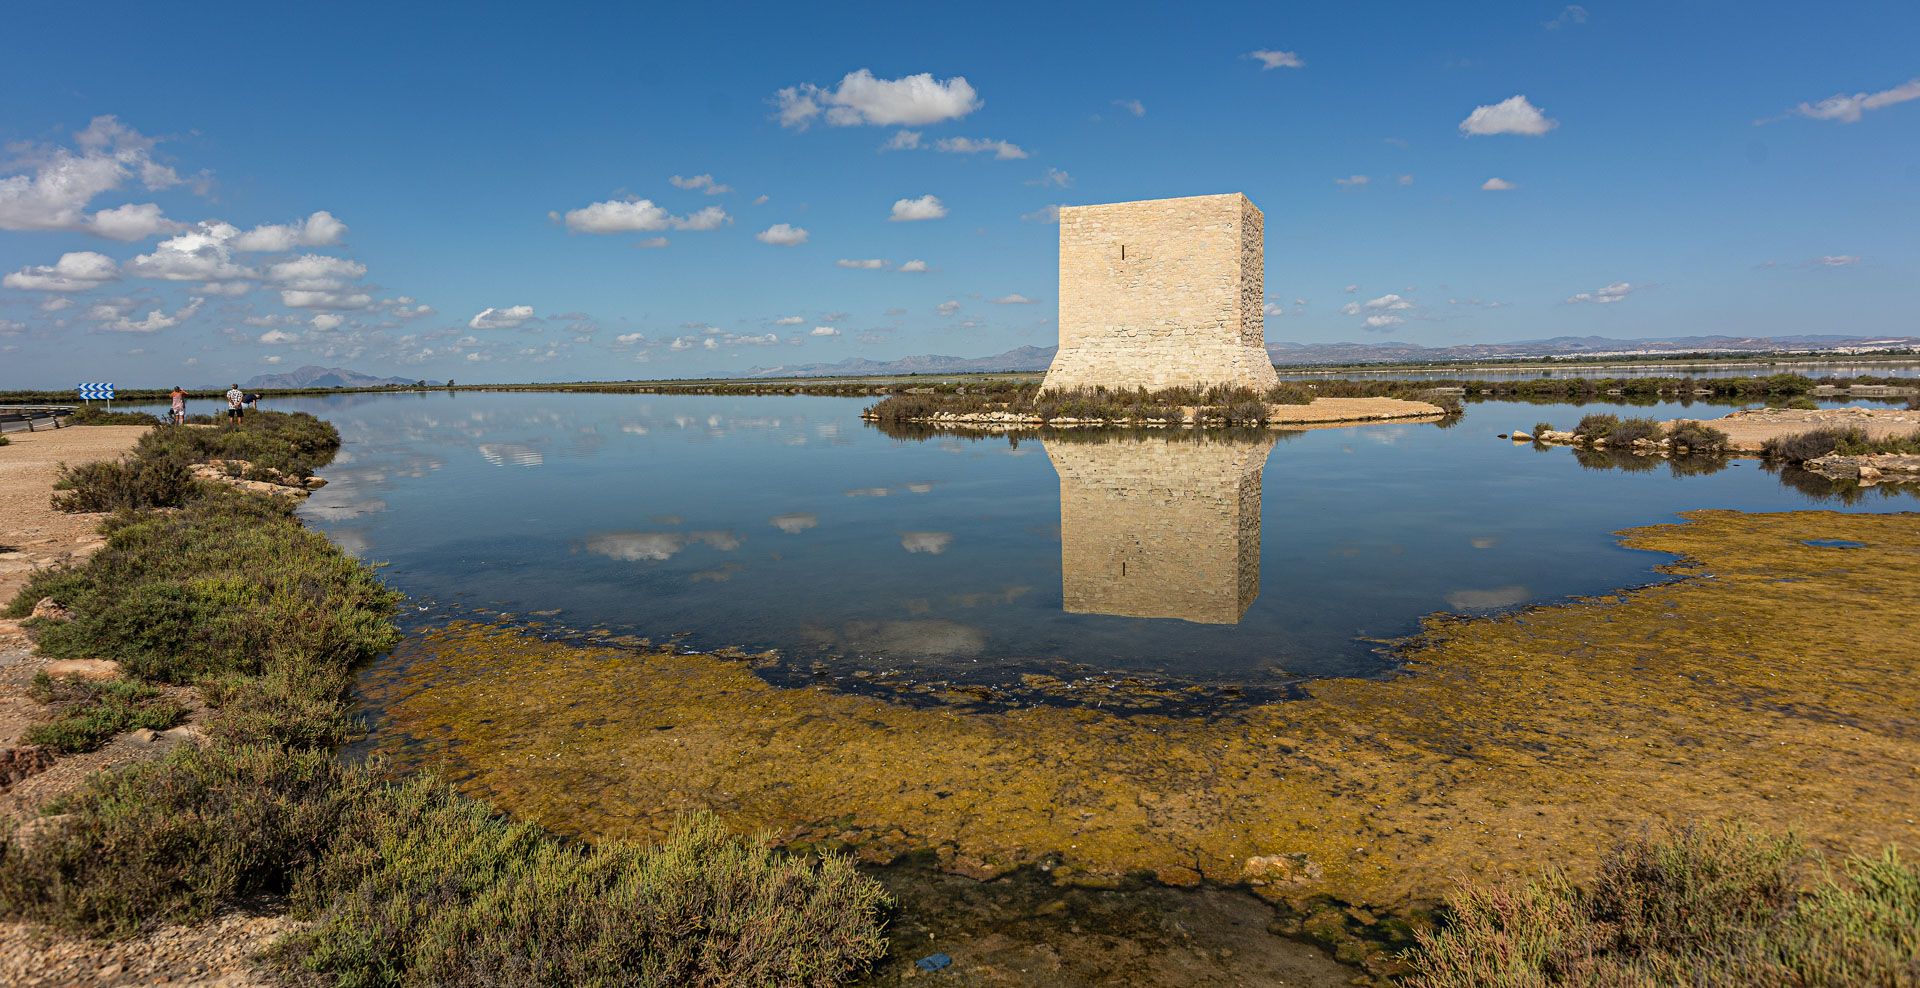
(222, 595)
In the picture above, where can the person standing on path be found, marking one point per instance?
(179, 400)
(235, 397)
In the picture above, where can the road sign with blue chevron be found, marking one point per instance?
(100, 392)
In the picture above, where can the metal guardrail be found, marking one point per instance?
(31, 418)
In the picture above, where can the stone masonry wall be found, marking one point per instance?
(1162, 292)
(1160, 528)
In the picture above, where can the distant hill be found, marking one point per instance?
(1036, 358)
(324, 377)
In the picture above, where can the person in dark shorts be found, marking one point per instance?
(235, 399)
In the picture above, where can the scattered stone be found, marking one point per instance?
(1522, 437)
(49, 609)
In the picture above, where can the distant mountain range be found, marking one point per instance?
(324, 377)
(1036, 358)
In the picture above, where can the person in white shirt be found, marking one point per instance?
(235, 398)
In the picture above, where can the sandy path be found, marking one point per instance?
(33, 534)
(1748, 428)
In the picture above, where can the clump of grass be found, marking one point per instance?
(1541, 429)
(1697, 437)
(88, 714)
(1800, 403)
(1704, 906)
(422, 886)
(123, 485)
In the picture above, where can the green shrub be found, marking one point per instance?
(116, 485)
(1803, 446)
(1626, 432)
(1541, 429)
(424, 887)
(1698, 437)
(175, 840)
(87, 714)
(1596, 426)
(231, 583)
(1716, 906)
(4, 441)
(1803, 404)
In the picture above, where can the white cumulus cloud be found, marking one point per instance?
(204, 253)
(979, 145)
(1603, 296)
(861, 98)
(927, 207)
(914, 266)
(1514, 115)
(1496, 185)
(704, 183)
(1272, 59)
(863, 264)
(782, 235)
(64, 182)
(508, 318)
(320, 229)
(1014, 299)
(636, 216)
(76, 271)
(824, 331)
(1849, 108)
(155, 320)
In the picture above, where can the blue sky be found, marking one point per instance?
(487, 192)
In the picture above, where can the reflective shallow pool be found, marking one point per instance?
(787, 524)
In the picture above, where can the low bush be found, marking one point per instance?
(1697, 437)
(95, 415)
(293, 443)
(1803, 446)
(1800, 403)
(87, 714)
(1626, 432)
(231, 583)
(175, 840)
(1596, 425)
(424, 887)
(1710, 906)
(1541, 429)
(117, 485)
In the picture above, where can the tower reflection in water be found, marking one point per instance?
(1160, 527)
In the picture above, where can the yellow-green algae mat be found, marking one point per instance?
(1779, 683)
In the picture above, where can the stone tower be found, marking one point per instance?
(1160, 293)
(1157, 527)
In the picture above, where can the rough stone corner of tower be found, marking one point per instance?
(1162, 293)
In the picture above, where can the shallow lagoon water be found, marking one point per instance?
(785, 523)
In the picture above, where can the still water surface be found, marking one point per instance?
(786, 523)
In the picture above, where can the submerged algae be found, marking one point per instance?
(1774, 684)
